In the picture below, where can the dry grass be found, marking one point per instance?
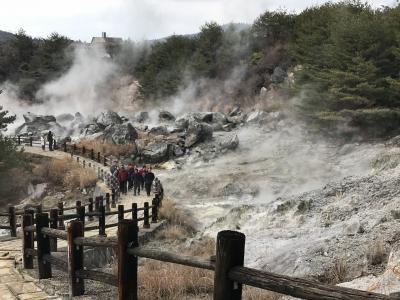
(336, 273)
(172, 233)
(377, 253)
(66, 172)
(251, 293)
(108, 148)
(176, 216)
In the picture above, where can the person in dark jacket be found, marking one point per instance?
(123, 179)
(148, 181)
(50, 140)
(137, 182)
(131, 170)
(142, 172)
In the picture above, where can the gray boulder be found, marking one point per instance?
(198, 132)
(91, 129)
(257, 117)
(178, 151)
(65, 118)
(142, 116)
(159, 130)
(108, 118)
(278, 76)
(37, 125)
(230, 142)
(166, 116)
(120, 134)
(156, 152)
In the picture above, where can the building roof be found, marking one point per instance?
(104, 40)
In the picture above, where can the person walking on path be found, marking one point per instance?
(50, 140)
(137, 182)
(131, 170)
(142, 172)
(123, 179)
(148, 181)
(43, 142)
(115, 182)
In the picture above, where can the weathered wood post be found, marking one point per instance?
(65, 146)
(146, 223)
(81, 214)
(105, 161)
(78, 204)
(97, 204)
(134, 211)
(113, 200)
(120, 212)
(83, 151)
(127, 264)
(12, 219)
(39, 208)
(230, 253)
(108, 207)
(60, 213)
(154, 211)
(54, 225)
(75, 258)
(90, 218)
(43, 245)
(55, 144)
(74, 148)
(98, 157)
(92, 154)
(30, 141)
(27, 242)
(102, 221)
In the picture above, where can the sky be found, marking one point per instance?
(135, 19)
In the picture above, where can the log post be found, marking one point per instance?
(54, 225)
(113, 200)
(90, 218)
(154, 211)
(39, 208)
(65, 146)
(108, 207)
(43, 245)
(92, 154)
(78, 204)
(146, 223)
(12, 219)
(74, 148)
(97, 204)
(75, 258)
(120, 212)
(60, 213)
(19, 140)
(134, 211)
(105, 161)
(81, 214)
(230, 253)
(55, 145)
(83, 151)
(98, 157)
(27, 242)
(127, 264)
(30, 141)
(102, 221)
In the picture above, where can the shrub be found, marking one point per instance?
(377, 253)
(107, 149)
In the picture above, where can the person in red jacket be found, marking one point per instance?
(123, 179)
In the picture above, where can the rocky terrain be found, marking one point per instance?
(309, 207)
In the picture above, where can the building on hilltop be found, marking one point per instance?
(109, 44)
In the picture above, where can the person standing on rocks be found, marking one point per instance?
(137, 182)
(50, 140)
(123, 180)
(148, 181)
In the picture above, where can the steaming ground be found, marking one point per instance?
(263, 189)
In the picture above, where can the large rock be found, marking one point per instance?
(91, 129)
(257, 117)
(120, 134)
(156, 152)
(142, 116)
(108, 118)
(279, 75)
(230, 142)
(38, 125)
(198, 132)
(215, 119)
(159, 130)
(65, 118)
(166, 116)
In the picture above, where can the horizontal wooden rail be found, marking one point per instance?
(191, 261)
(5, 227)
(98, 241)
(98, 276)
(56, 233)
(297, 287)
(4, 214)
(30, 252)
(59, 262)
(31, 228)
(68, 217)
(111, 225)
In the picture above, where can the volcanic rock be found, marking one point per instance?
(108, 118)
(166, 116)
(120, 133)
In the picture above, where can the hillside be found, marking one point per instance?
(6, 36)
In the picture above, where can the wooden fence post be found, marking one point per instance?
(78, 204)
(98, 157)
(55, 145)
(97, 204)
(230, 253)
(74, 148)
(83, 151)
(105, 161)
(134, 211)
(19, 140)
(39, 208)
(75, 258)
(108, 207)
(65, 146)
(54, 225)
(90, 218)
(60, 213)
(120, 212)
(113, 202)
(102, 221)
(127, 264)
(92, 154)
(27, 242)
(146, 223)
(30, 141)
(154, 211)
(43, 245)
(81, 214)
(12, 219)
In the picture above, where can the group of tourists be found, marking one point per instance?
(131, 177)
(49, 137)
